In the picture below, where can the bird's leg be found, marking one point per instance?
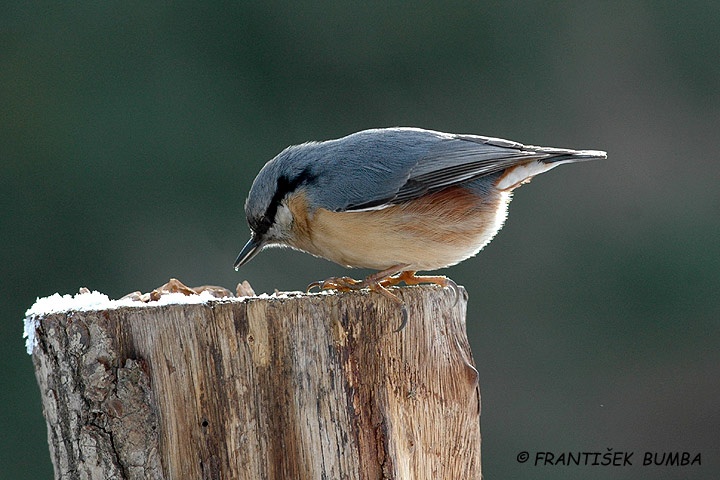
(384, 276)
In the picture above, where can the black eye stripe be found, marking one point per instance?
(285, 186)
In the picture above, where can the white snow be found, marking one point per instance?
(31, 324)
(95, 300)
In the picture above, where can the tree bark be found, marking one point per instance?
(288, 387)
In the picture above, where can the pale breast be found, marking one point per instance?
(435, 231)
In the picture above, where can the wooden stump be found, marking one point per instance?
(295, 387)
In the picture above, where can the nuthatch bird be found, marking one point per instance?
(396, 200)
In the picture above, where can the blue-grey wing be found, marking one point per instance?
(389, 166)
(367, 169)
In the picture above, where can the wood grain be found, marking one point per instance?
(306, 387)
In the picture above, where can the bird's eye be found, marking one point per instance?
(260, 225)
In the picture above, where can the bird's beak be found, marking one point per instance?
(251, 248)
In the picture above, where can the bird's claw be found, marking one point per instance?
(405, 317)
(455, 289)
(341, 284)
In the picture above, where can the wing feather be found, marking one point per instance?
(400, 164)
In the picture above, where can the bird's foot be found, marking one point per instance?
(375, 283)
(380, 282)
(341, 284)
(410, 278)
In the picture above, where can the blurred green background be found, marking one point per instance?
(130, 133)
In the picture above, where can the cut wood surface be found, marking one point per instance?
(288, 387)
